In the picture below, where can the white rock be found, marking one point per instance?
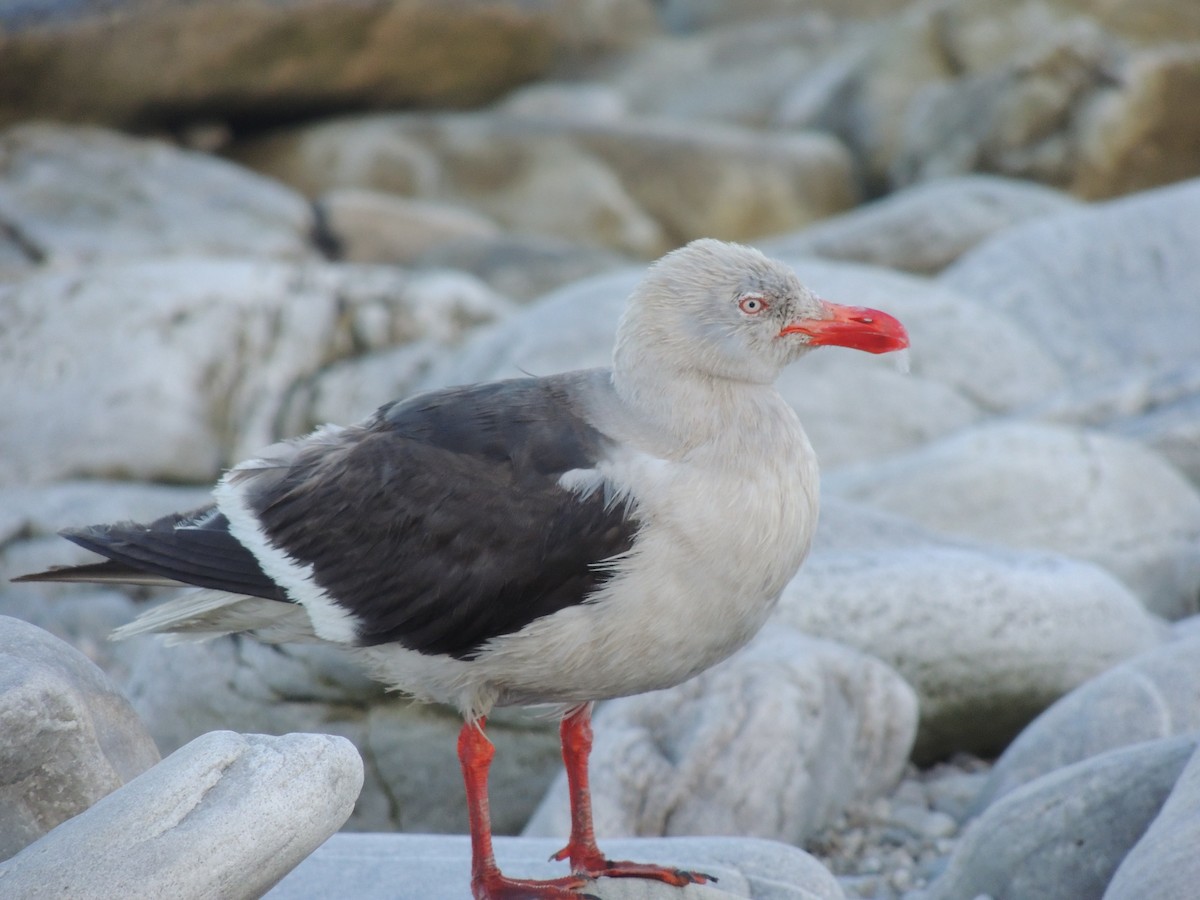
(202, 355)
(76, 194)
(437, 867)
(1087, 495)
(411, 772)
(1159, 408)
(1103, 288)
(377, 227)
(926, 227)
(225, 817)
(1151, 696)
(987, 637)
(775, 742)
(69, 738)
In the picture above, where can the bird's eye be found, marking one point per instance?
(752, 304)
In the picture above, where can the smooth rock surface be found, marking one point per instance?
(69, 737)
(227, 816)
(1082, 494)
(1064, 835)
(412, 779)
(775, 742)
(597, 182)
(437, 867)
(1103, 288)
(1151, 696)
(1163, 863)
(376, 227)
(987, 637)
(74, 194)
(211, 346)
(925, 227)
(523, 267)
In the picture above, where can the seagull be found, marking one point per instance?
(553, 540)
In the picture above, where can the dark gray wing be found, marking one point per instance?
(440, 524)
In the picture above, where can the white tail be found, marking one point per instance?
(206, 614)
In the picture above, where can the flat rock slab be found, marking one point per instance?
(438, 867)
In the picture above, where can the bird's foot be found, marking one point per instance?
(494, 886)
(595, 865)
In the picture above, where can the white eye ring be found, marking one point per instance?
(752, 304)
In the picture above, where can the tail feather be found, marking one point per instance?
(206, 614)
(107, 572)
(193, 548)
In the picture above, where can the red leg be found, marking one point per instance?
(586, 858)
(475, 753)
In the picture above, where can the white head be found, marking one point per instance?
(727, 312)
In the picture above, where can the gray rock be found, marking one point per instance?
(376, 227)
(1014, 115)
(437, 867)
(1158, 407)
(1163, 863)
(775, 742)
(412, 779)
(987, 637)
(588, 181)
(731, 74)
(69, 737)
(923, 228)
(225, 817)
(76, 194)
(1151, 696)
(523, 266)
(1063, 835)
(1103, 289)
(209, 350)
(1087, 495)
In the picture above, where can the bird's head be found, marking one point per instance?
(730, 312)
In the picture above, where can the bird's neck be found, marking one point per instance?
(688, 408)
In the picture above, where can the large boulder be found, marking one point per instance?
(1065, 834)
(203, 355)
(411, 780)
(925, 227)
(437, 867)
(69, 737)
(73, 194)
(1163, 862)
(1088, 495)
(594, 181)
(776, 742)
(987, 637)
(1146, 698)
(147, 63)
(1095, 99)
(227, 816)
(1104, 288)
